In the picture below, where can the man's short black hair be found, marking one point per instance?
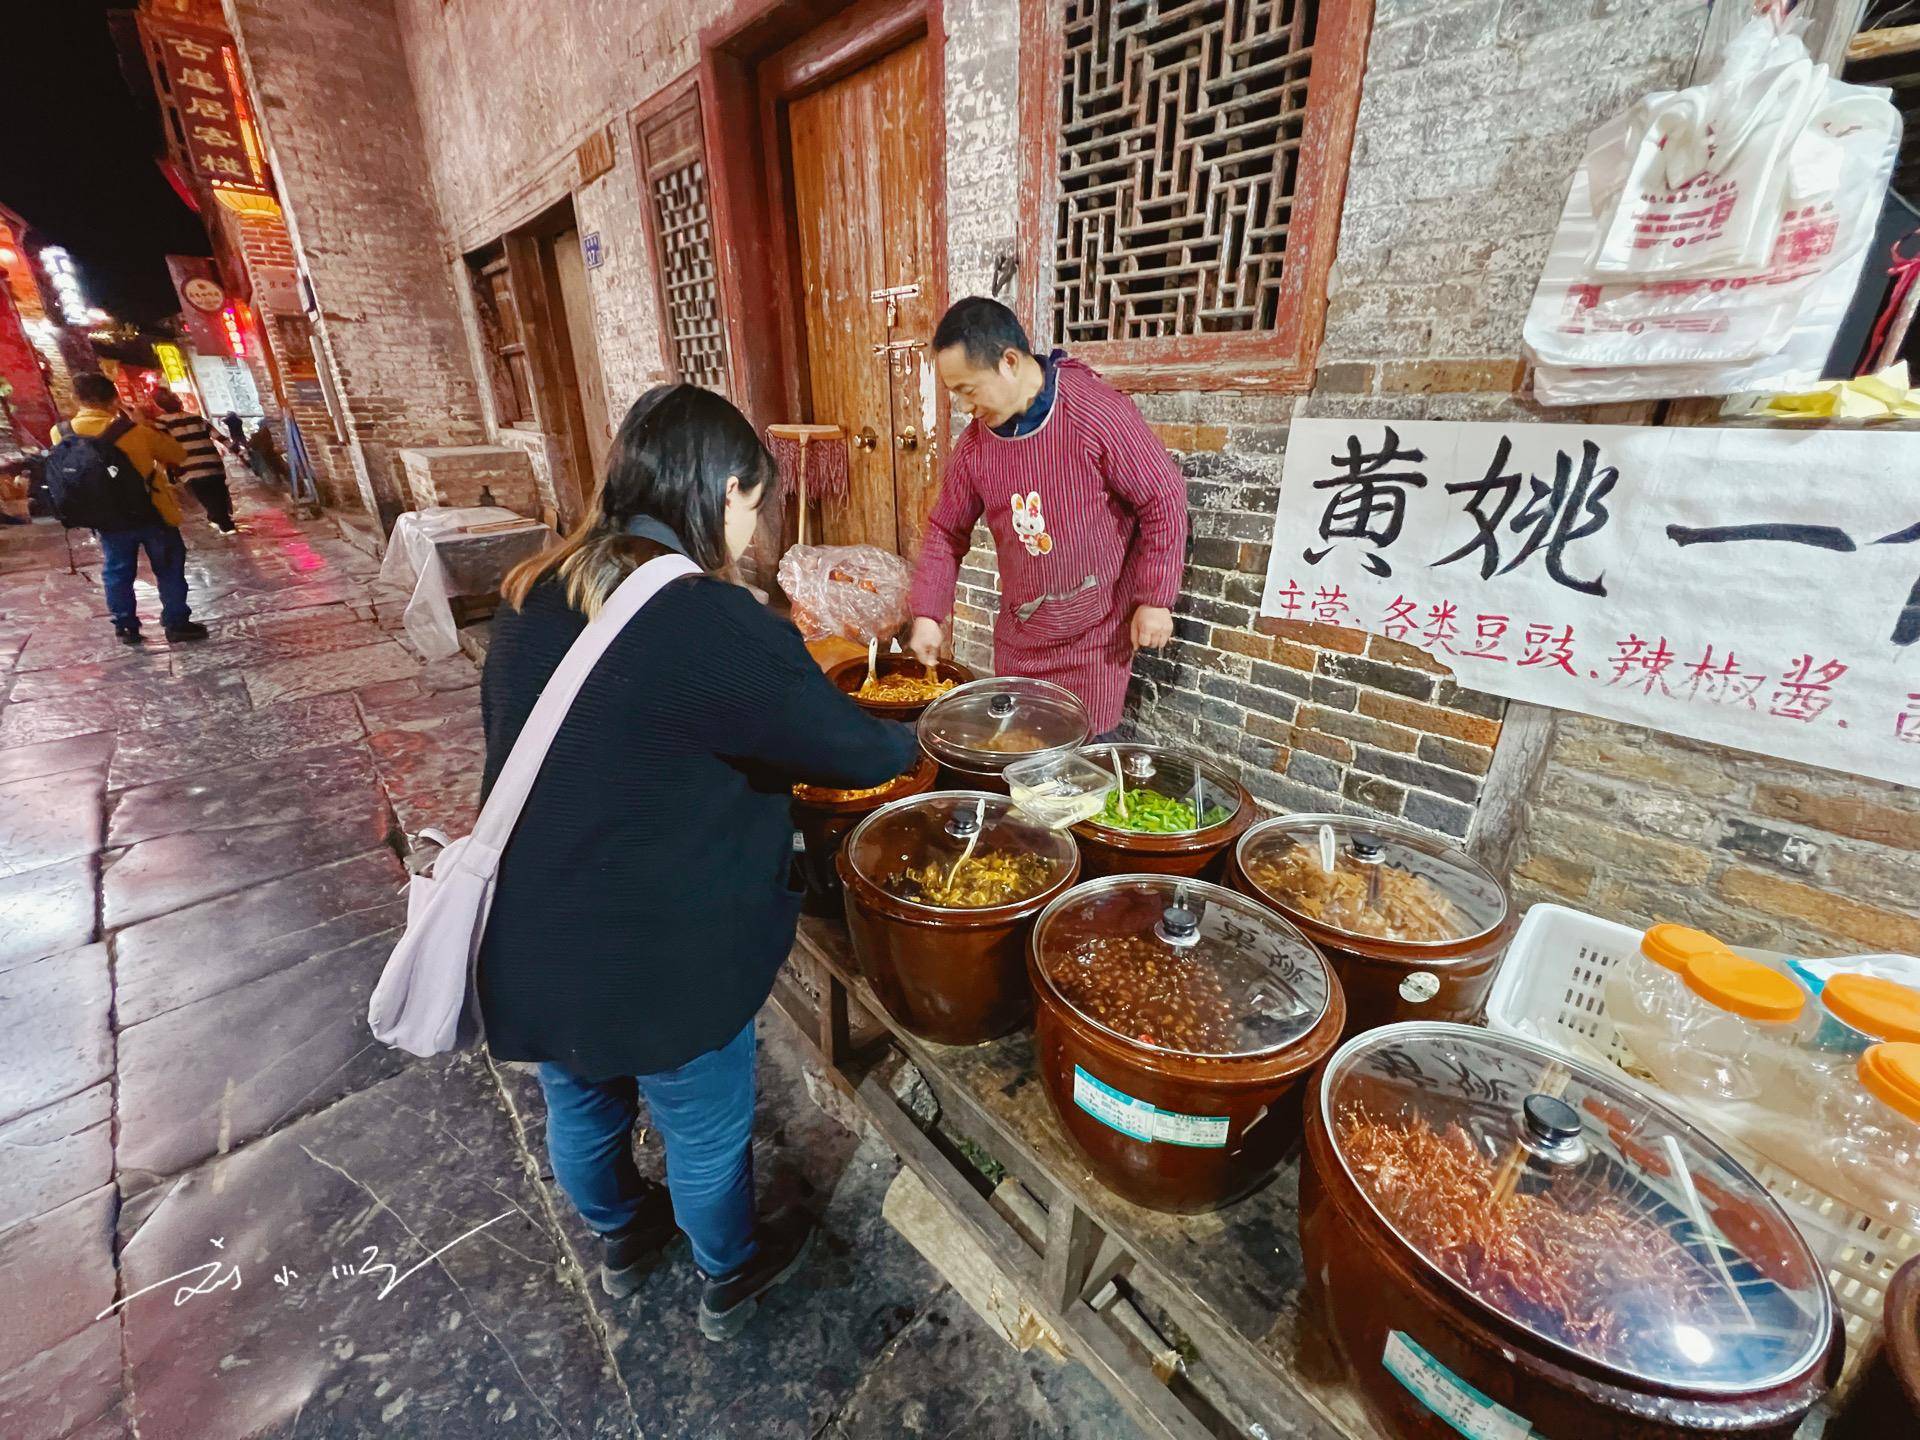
(93, 388)
(985, 328)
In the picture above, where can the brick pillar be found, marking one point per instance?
(335, 103)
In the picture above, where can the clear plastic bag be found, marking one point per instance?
(858, 592)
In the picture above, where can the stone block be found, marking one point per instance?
(455, 475)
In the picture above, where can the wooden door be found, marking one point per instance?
(863, 201)
(571, 267)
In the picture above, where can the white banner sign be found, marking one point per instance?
(1759, 589)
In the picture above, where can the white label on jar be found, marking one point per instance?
(1143, 1121)
(1447, 1395)
(1419, 987)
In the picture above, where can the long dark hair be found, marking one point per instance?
(671, 460)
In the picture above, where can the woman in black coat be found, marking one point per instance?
(643, 905)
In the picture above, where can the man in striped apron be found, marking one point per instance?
(204, 472)
(1088, 513)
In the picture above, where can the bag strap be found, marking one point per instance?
(116, 427)
(509, 795)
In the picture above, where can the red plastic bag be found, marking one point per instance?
(858, 592)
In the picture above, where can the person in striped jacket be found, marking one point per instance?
(1088, 513)
(204, 472)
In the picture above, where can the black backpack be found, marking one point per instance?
(92, 485)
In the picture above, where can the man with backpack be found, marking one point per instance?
(204, 473)
(105, 474)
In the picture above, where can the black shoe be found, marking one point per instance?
(129, 636)
(192, 630)
(726, 1305)
(627, 1255)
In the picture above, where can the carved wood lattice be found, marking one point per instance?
(1179, 145)
(674, 163)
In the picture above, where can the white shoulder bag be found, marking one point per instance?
(425, 1001)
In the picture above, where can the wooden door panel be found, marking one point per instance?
(906, 236)
(578, 304)
(838, 208)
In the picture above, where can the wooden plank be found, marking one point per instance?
(1883, 44)
(1111, 1359)
(1073, 1239)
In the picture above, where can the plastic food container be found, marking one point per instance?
(1885, 1402)
(1850, 1014)
(1739, 1026)
(1415, 927)
(823, 818)
(850, 675)
(1497, 1233)
(942, 890)
(1156, 829)
(1872, 1133)
(1058, 788)
(978, 730)
(1176, 1024)
(1646, 995)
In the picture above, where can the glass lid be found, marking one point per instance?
(988, 724)
(1182, 966)
(1574, 1207)
(1373, 879)
(958, 850)
(1159, 790)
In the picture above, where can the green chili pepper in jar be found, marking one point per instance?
(1150, 812)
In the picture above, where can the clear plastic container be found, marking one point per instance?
(1873, 1130)
(1059, 789)
(1851, 1014)
(1647, 996)
(1739, 1026)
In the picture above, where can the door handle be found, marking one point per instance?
(908, 439)
(866, 439)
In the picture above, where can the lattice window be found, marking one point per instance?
(674, 176)
(1191, 158)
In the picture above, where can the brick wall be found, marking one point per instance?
(331, 87)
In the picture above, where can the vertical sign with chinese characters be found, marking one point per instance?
(197, 76)
(1759, 589)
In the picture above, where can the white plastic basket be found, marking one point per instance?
(1551, 989)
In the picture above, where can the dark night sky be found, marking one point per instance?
(78, 158)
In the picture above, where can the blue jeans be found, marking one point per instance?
(166, 553)
(704, 1113)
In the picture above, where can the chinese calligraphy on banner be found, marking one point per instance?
(206, 106)
(1759, 589)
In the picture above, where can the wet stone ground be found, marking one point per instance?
(225, 1211)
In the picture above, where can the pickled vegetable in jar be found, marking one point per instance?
(904, 687)
(1150, 812)
(974, 883)
(1382, 900)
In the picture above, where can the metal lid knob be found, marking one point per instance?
(964, 824)
(1367, 849)
(1551, 1129)
(1178, 926)
(1000, 706)
(1139, 766)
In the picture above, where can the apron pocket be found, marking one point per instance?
(1059, 617)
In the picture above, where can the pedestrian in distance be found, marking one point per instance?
(643, 904)
(236, 432)
(109, 474)
(204, 472)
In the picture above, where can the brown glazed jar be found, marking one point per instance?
(1415, 927)
(1220, 803)
(954, 973)
(978, 730)
(823, 818)
(1635, 1281)
(851, 674)
(1175, 1027)
(1885, 1401)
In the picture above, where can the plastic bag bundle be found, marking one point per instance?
(858, 592)
(1713, 237)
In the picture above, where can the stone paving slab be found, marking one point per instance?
(325, 674)
(55, 757)
(209, 699)
(433, 778)
(132, 669)
(47, 910)
(56, 1276)
(72, 1384)
(337, 781)
(195, 748)
(51, 818)
(187, 1090)
(484, 1340)
(158, 876)
(55, 1039)
(55, 1154)
(190, 954)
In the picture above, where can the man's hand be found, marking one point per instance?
(926, 640)
(1152, 627)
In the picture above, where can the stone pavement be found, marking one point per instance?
(225, 1211)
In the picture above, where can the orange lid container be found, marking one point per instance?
(1672, 946)
(1891, 1072)
(1744, 987)
(1884, 1009)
